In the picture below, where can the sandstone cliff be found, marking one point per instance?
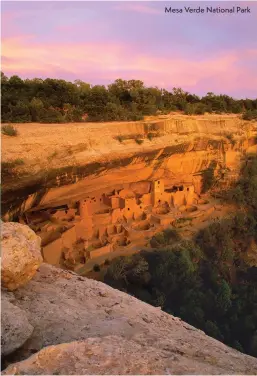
(77, 158)
(75, 325)
(21, 256)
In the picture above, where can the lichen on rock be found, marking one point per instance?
(81, 326)
(15, 327)
(21, 254)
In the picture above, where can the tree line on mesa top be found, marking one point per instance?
(58, 101)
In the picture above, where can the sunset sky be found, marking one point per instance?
(99, 42)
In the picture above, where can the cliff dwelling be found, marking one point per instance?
(75, 233)
(109, 199)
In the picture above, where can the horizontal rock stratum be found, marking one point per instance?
(80, 158)
(82, 326)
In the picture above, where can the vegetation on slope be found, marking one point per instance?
(9, 130)
(210, 282)
(56, 101)
(244, 192)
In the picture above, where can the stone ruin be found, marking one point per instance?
(91, 228)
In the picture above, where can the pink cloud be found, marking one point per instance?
(108, 61)
(9, 23)
(139, 8)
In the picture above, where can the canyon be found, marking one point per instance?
(88, 193)
(94, 191)
(56, 322)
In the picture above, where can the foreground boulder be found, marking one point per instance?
(113, 355)
(82, 326)
(21, 254)
(15, 328)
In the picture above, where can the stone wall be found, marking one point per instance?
(146, 199)
(115, 202)
(100, 251)
(52, 252)
(69, 237)
(141, 188)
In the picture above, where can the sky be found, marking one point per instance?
(99, 42)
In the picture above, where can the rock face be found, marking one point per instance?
(81, 326)
(185, 146)
(15, 327)
(114, 355)
(91, 328)
(21, 255)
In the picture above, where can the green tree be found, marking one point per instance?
(122, 100)
(212, 330)
(223, 297)
(36, 109)
(20, 113)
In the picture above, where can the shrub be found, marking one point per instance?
(195, 109)
(171, 235)
(189, 109)
(18, 162)
(208, 178)
(245, 189)
(135, 117)
(151, 135)
(200, 109)
(12, 164)
(167, 237)
(136, 137)
(96, 268)
(182, 221)
(158, 240)
(120, 138)
(51, 115)
(230, 137)
(250, 115)
(7, 168)
(90, 248)
(9, 130)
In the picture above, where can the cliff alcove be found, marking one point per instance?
(109, 199)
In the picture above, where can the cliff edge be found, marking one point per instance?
(73, 325)
(78, 158)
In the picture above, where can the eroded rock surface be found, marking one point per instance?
(114, 333)
(15, 328)
(21, 255)
(115, 355)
